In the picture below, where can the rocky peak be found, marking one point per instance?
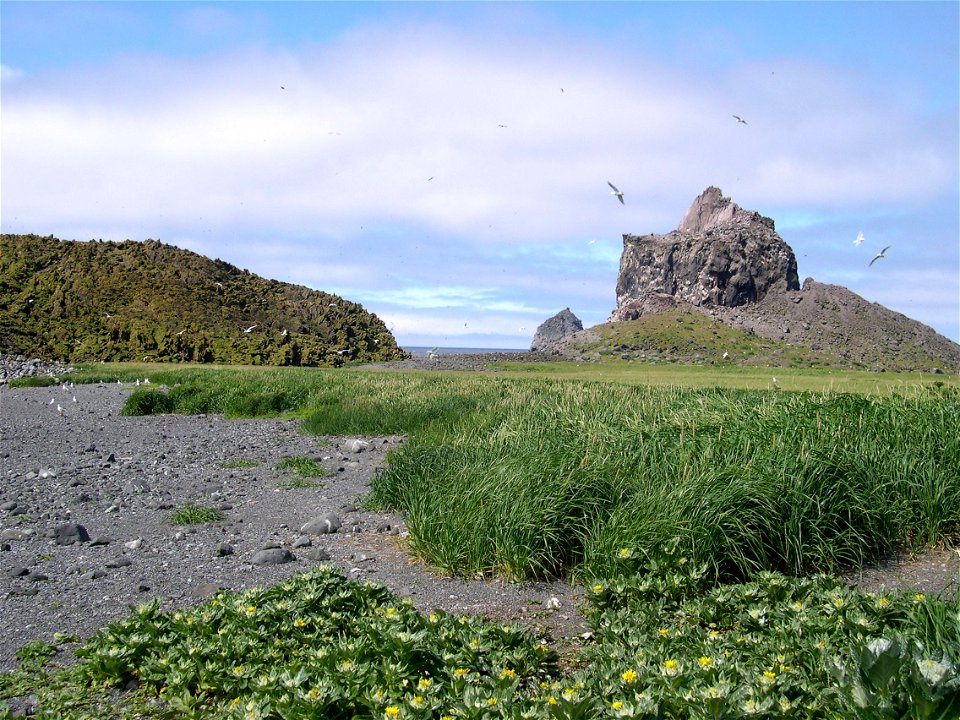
(720, 255)
(554, 329)
(711, 209)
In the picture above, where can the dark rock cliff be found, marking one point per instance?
(720, 255)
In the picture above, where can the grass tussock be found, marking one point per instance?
(190, 514)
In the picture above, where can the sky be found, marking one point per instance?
(446, 164)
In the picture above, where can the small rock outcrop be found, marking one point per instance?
(553, 330)
(719, 256)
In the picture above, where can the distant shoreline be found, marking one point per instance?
(419, 351)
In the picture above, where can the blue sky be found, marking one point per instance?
(445, 164)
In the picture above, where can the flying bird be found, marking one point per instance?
(859, 239)
(879, 255)
(740, 119)
(616, 192)
(250, 329)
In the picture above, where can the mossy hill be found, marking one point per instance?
(118, 301)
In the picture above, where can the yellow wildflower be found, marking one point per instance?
(629, 676)
(704, 661)
(392, 711)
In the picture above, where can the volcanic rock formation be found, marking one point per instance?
(551, 331)
(720, 255)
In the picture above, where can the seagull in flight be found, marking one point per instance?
(859, 239)
(740, 119)
(250, 329)
(616, 192)
(879, 255)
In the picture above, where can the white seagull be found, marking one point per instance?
(616, 192)
(879, 255)
(859, 241)
(250, 329)
(740, 119)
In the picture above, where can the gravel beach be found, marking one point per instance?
(87, 495)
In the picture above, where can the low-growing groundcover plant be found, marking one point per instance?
(302, 466)
(666, 644)
(190, 514)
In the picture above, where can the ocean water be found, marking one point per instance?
(421, 351)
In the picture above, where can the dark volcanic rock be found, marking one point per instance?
(720, 255)
(562, 324)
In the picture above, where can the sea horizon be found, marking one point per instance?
(422, 350)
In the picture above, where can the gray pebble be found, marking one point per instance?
(329, 523)
(70, 533)
(272, 556)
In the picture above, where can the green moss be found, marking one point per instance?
(136, 301)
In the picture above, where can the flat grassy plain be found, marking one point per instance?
(698, 506)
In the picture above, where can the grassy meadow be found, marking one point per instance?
(704, 509)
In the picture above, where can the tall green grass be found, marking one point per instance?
(556, 477)
(536, 477)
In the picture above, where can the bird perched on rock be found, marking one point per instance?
(881, 254)
(616, 192)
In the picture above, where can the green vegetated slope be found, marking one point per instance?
(673, 335)
(859, 336)
(115, 301)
